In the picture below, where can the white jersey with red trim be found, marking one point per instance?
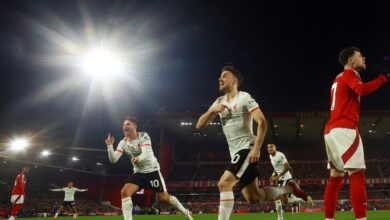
(140, 147)
(237, 121)
(278, 161)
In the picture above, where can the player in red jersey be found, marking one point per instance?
(18, 193)
(343, 143)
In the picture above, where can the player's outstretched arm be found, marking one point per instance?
(82, 190)
(56, 190)
(113, 156)
(363, 89)
(209, 116)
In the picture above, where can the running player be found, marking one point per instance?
(68, 199)
(18, 193)
(237, 110)
(282, 176)
(343, 143)
(146, 168)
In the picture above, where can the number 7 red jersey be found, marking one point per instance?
(345, 98)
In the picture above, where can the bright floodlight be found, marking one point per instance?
(19, 144)
(45, 153)
(102, 63)
(75, 159)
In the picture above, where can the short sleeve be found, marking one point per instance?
(283, 158)
(146, 141)
(250, 103)
(121, 146)
(216, 102)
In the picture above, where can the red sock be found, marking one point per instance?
(358, 194)
(16, 208)
(331, 195)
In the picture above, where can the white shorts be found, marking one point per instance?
(344, 148)
(17, 199)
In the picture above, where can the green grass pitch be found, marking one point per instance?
(373, 215)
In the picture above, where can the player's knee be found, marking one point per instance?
(223, 185)
(163, 197)
(125, 192)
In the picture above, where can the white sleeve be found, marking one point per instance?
(217, 101)
(57, 190)
(80, 190)
(114, 156)
(283, 159)
(146, 148)
(250, 103)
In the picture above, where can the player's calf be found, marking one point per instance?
(296, 190)
(358, 194)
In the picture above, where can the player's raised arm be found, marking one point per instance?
(113, 156)
(363, 89)
(56, 190)
(81, 190)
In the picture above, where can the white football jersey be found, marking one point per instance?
(278, 161)
(140, 147)
(237, 121)
(69, 193)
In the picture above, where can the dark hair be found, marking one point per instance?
(346, 53)
(133, 120)
(235, 72)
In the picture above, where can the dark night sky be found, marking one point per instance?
(287, 52)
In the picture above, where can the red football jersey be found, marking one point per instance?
(345, 98)
(20, 184)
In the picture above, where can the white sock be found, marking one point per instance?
(175, 202)
(56, 215)
(74, 216)
(226, 205)
(272, 193)
(11, 218)
(127, 208)
(364, 218)
(278, 205)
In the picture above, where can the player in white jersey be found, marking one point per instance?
(282, 176)
(146, 168)
(68, 199)
(237, 110)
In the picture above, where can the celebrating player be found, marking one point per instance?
(18, 193)
(343, 143)
(282, 176)
(146, 168)
(68, 199)
(237, 110)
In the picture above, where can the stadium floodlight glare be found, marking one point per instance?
(102, 63)
(75, 158)
(19, 144)
(45, 153)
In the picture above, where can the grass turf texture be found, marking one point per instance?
(372, 215)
